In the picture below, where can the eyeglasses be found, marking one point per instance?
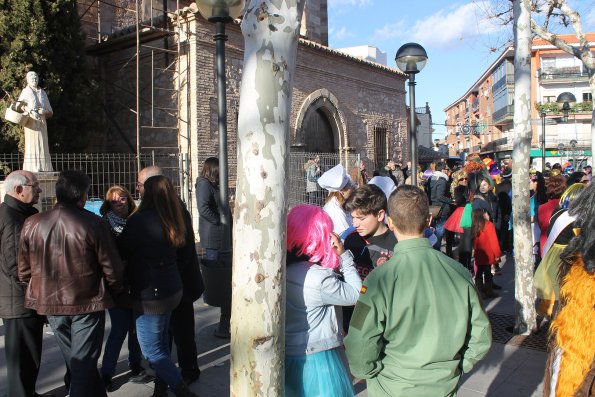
(33, 185)
(463, 179)
(119, 200)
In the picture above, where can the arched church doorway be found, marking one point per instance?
(319, 134)
(320, 124)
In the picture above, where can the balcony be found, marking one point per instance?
(502, 115)
(475, 106)
(508, 80)
(573, 73)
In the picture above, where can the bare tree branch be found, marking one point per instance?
(555, 40)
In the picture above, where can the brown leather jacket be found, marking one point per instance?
(70, 260)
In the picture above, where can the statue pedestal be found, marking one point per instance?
(47, 183)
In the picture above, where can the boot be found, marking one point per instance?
(182, 390)
(489, 291)
(160, 388)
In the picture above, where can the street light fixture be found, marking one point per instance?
(411, 58)
(221, 12)
(565, 99)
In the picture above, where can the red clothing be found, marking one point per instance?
(544, 214)
(487, 249)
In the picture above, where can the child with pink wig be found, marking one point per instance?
(320, 275)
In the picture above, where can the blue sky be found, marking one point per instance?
(460, 39)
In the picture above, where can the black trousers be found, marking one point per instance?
(181, 328)
(22, 344)
(80, 338)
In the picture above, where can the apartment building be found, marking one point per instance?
(482, 119)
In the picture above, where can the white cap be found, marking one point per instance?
(386, 184)
(335, 179)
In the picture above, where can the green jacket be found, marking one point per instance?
(418, 324)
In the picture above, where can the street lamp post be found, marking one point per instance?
(221, 12)
(564, 100)
(411, 58)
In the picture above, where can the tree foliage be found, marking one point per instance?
(45, 36)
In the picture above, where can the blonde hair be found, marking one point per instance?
(120, 191)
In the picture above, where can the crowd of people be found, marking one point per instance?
(385, 281)
(67, 267)
(413, 295)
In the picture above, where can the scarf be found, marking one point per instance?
(116, 223)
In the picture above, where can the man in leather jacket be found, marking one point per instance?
(23, 327)
(71, 264)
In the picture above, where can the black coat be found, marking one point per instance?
(12, 292)
(489, 202)
(152, 267)
(213, 234)
(439, 191)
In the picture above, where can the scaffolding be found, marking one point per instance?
(134, 27)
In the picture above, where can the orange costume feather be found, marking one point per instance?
(573, 328)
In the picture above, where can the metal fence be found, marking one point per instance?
(297, 173)
(107, 169)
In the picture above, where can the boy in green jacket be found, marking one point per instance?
(418, 323)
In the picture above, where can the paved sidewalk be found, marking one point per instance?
(513, 368)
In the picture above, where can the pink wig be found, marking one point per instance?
(308, 234)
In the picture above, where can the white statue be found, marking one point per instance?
(35, 104)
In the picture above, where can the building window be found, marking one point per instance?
(587, 97)
(380, 153)
(548, 99)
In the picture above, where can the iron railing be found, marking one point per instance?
(297, 173)
(105, 169)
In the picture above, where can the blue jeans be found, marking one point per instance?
(153, 337)
(122, 324)
(439, 233)
(80, 338)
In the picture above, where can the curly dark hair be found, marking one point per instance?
(583, 245)
(555, 186)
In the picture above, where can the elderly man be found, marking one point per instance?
(36, 104)
(23, 327)
(71, 264)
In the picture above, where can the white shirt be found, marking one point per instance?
(341, 219)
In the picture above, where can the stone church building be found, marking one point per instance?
(158, 70)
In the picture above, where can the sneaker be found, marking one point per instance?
(141, 377)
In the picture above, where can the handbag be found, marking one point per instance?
(436, 211)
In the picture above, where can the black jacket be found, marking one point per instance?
(213, 234)
(503, 190)
(12, 292)
(439, 188)
(489, 202)
(152, 267)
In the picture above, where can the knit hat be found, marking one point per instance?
(385, 184)
(335, 179)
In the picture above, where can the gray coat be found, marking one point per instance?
(213, 234)
(12, 292)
